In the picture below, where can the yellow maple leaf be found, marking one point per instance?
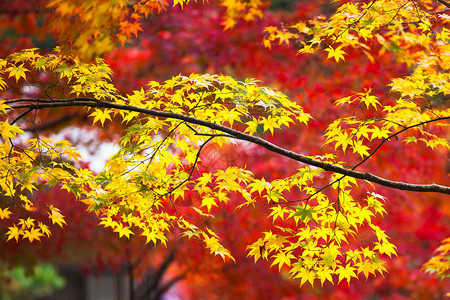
(8, 131)
(123, 231)
(386, 248)
(17, 72)
(32, 234)
(346, 272)
(180, 2)
(252, 126)
(228, 23)
(306, 275)
(14, 232)
(100, 115)
(359, 148)
(208, 202)
(366, 267)
(44, 229)
(283, 258)
(337, 53)
(56, 216)
(324, 274)
(28, 223)
(4, 213)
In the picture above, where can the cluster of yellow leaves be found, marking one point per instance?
(24, 170)
(219, 99)
(353, 132)
(439, 264)
(19, 177)
(407, 30)
(415, 32)
(357, 24)
(424, 94)
(403, 27)
(91, 79)
(30, 228)
(145, 178)
(247, 10)
(38, 161)
(420, 110)
(138, 193)
(314, 240)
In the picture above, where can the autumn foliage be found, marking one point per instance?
(303, 147)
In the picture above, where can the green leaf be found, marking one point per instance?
(304, 213)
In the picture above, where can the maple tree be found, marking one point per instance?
(158, 182)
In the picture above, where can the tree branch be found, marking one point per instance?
(151, 289)
(95, 103)
(444, 3)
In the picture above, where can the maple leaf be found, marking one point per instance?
(18, 72)
(8, 131)
(306, 275)
(14, 232)
(205, 179)
(202, 213)
(252, 126)
(284, 37)
(365, 215)
(324, 274)
(101, 115)
(257, 249)
(259, 185)
(129, 28)
(366, 267)
(370, 100)
(346, 272)
(278, 211)
(386, 248)
(123, 231)
(282, 258)
(44, 229)
(304, 213)
(180, 2)
(208, 202)
(228, 23)
(4, 213)
(337, 53)
(56, 216)
(191, 230)
(380, 133)
(270, 123)
(32, 234)
(359, 148)
(27, 223)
